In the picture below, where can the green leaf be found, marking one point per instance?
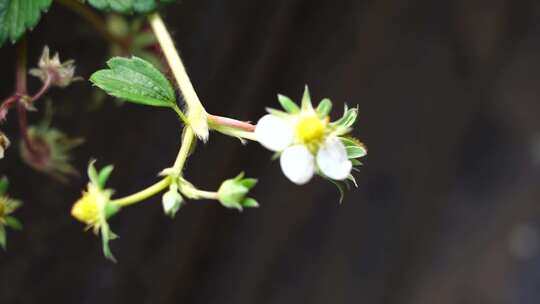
(287, 104)
(3, 241)
(13, 223)
(18, 16)
(128, 6)
(4, 184)
(135, 80)
(324, 108)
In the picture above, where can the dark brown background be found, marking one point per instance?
(447, 209)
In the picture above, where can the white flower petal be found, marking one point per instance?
(297, 164)
(332, 159)
(274, 133)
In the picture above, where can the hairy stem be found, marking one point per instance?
(175, 62)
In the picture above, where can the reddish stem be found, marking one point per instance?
(231, 122)
(44, 88)
(20, 93)
(8, 103)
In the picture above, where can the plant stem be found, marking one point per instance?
(6, 104)
(231, 122)
(96, 21)
(44, 88)
(175, 62)
(20, 72)
(21, 93)
(143, 194)
(192, 101)
(195, 110)
(187, 141)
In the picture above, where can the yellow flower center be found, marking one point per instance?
(86, 208)
(310, 129)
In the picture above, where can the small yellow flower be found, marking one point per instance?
(89, 209)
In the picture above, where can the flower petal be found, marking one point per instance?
(332, 159)
(274, 133)
(297, 164)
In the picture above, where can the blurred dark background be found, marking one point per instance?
(447, 206)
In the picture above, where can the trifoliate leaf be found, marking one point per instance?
(18, 16)
(324, 108)
(128, 6)
(135, 80)
(287, 104)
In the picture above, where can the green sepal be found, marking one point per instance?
(104, 175)
(92, 172)
(135, 80)
(3, 238)
(344, 124)
(277, 113)
(341, 186)
(4, 185)
(250, 203)
(355, 149)
(106, 236)
(111, 209)
(288, 105)
(13, 223)
(324, 108)
(306, 100)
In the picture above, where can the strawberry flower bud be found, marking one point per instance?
(232, 193)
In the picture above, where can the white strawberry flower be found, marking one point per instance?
(307, 142)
